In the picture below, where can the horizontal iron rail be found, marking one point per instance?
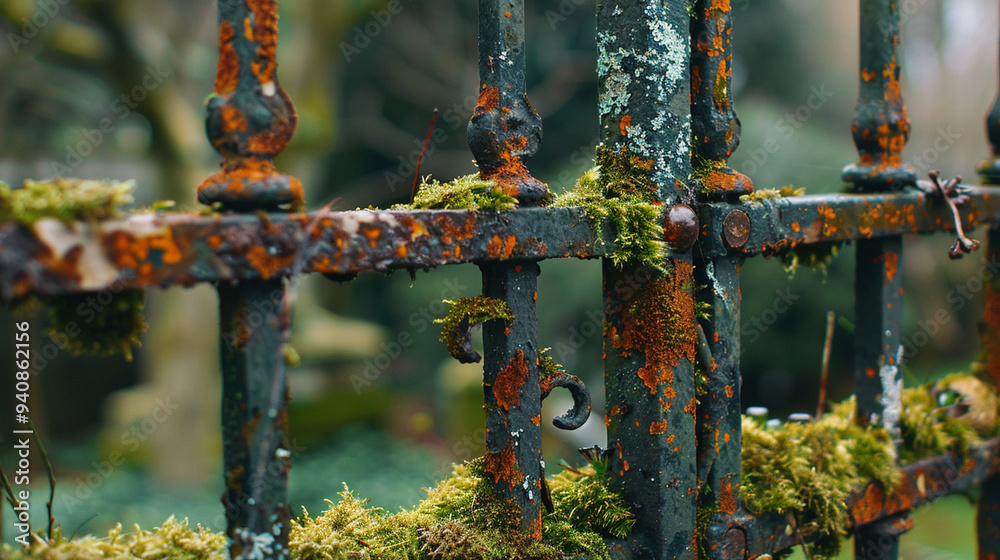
(922, 482)
(184, 249)
(776, 225)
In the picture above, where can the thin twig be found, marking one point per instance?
(427, 140)
(825, 375)
(52, 477)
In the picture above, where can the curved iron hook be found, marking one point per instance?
(556, 377)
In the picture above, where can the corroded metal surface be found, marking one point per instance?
(781, 224)
(256, 450)
(650, 343)
(513, 393)
(922, 482)
(250, 117)
(505, 130)
(151, 250)
(719, 409)
(714, 125)
(880, 127)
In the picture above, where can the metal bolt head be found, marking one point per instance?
(736, 229)
(680, 228)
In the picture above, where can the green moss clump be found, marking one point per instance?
(813, 255)
(461, 520)
(102, 329)
(936, 419)
(465, 314)
(583, 499)
(771, 194)
(174, 540)
(811, 469)
(626, 200)
(464, 193)
(64, 199)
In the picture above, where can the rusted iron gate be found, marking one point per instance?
(664, 70)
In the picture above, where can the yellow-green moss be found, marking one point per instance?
(771, 194)
(174, 540)
(475, 311)
(64, 199)
(461, 519)
(619, 191)
(810, 469)
(101, 329)
(469, 192)
(813, 255)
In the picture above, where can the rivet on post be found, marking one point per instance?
(250, 118)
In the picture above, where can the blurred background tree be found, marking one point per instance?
(388, 417)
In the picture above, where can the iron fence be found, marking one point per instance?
(666, 111)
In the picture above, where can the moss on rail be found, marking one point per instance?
(106, 323)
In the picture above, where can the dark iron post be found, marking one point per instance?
(250, 121)
(716, 130)
(880, 131)
(650, 333)
(512, 393)
(504, 132)
(988, 507)
(714, 124)
(250, 117)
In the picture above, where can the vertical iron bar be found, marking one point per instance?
(990, 167)
(719, 411)
(714, 123)
(250, 121)
(250, 117)
(505, 130)
(988, 520)
(716, 135)
(512, 393)
(880, 131)
(650, 337)
(255, 428)
(880, 127)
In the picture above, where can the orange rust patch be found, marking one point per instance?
(506, 14)
(401, 251)
(624, 124)
(488, 100)
(265, 15)
(502, 467)
(891, 264)
(727, 498)
(507, 388)
(870, 372)
(692, 406)
(227, 76)
(267, 265)
(657, 428)
(729, 391)
(537, 420)
(796, 227)
(659, 323)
